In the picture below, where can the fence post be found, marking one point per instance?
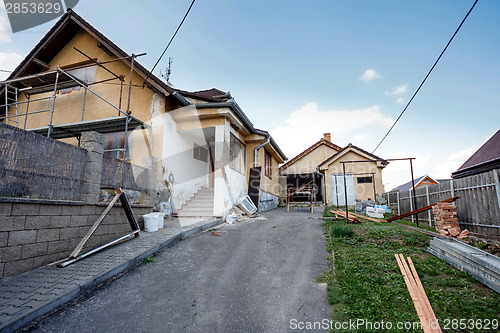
(497, 185)
(452, 187)
(428, 204)
(411, 207)
(397, 197)
(93, 143)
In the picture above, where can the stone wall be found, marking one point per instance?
(267, 201)
(34, 233)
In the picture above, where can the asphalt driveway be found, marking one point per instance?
(257, 276)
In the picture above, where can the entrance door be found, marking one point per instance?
(338, 191)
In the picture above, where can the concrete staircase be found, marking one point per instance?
(200, 205)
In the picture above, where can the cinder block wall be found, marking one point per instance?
(35, 234)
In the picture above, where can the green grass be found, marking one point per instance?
(367, 283)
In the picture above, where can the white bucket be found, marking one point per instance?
(160, 217)
(150, 222)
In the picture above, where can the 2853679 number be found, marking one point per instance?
(471, 324)
(32, 8)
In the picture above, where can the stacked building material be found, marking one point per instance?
(446, 220)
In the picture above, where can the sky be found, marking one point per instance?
(299, 69)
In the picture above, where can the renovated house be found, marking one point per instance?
(303, 168)
(363, 176)
(76, 80)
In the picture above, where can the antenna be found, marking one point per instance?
(168, 71)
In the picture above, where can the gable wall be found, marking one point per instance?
(308, 163)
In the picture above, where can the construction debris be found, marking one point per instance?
(420, 210)
(352, 219)
(419, 297)
(367, 217)
(215, 233)
(446, 220)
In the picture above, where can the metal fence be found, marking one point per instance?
(478, 207)
(34, 166)
(120, 174)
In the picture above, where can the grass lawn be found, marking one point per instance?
(366, 282)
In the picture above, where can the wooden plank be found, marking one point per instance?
(434, 324)
(369, 218)
(344, 215)
(84, 240)
(423, 209)
(411, 286)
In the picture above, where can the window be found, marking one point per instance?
(365, 180)
(237, 151)
(114, 145)
(268, 163)
(200, 153)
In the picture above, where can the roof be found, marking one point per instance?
(60, 34)
(351, 146)
(408, 186)
(209, 95)
(484, 159)
(308, 150)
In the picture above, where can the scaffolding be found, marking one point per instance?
(15, 111)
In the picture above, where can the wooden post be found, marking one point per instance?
(397, 197)
(428, 204)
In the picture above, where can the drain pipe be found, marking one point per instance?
(260, 146)
(324, 186)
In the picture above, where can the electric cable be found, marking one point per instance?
(429, 73)
(170, 42)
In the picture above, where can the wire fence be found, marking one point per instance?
(33, 166)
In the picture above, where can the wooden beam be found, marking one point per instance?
(369, 218)
(420, 210)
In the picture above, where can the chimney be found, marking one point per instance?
(327, 137)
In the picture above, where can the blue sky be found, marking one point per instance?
(302, 68)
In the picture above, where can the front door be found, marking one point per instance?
(338, 189)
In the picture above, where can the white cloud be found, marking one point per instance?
(5, 32)
(307, 125)
(370, 75)
(452, 162)
(8, 62)
(400, 100)
(399, 90)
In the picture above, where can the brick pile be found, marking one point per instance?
(446, 220)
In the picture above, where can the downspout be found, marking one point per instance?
(324, 185)
(258, 147)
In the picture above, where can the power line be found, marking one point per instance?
(429, 73)
(170, 42)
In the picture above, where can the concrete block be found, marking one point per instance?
(4, 237)
(50, 210)
(82, 231)
(71, 210)
(91, 197)
(47, 259)
(25, 209)
(62, 221)
(6, 223)
(34, 250)
(58, 246)
(68, 233)
(37, 222)
(47, 235)
(17, 267)
(87, 210)
(102, 230)
(78, 221)
(22, 237)
(12, 253)
(5, 208)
